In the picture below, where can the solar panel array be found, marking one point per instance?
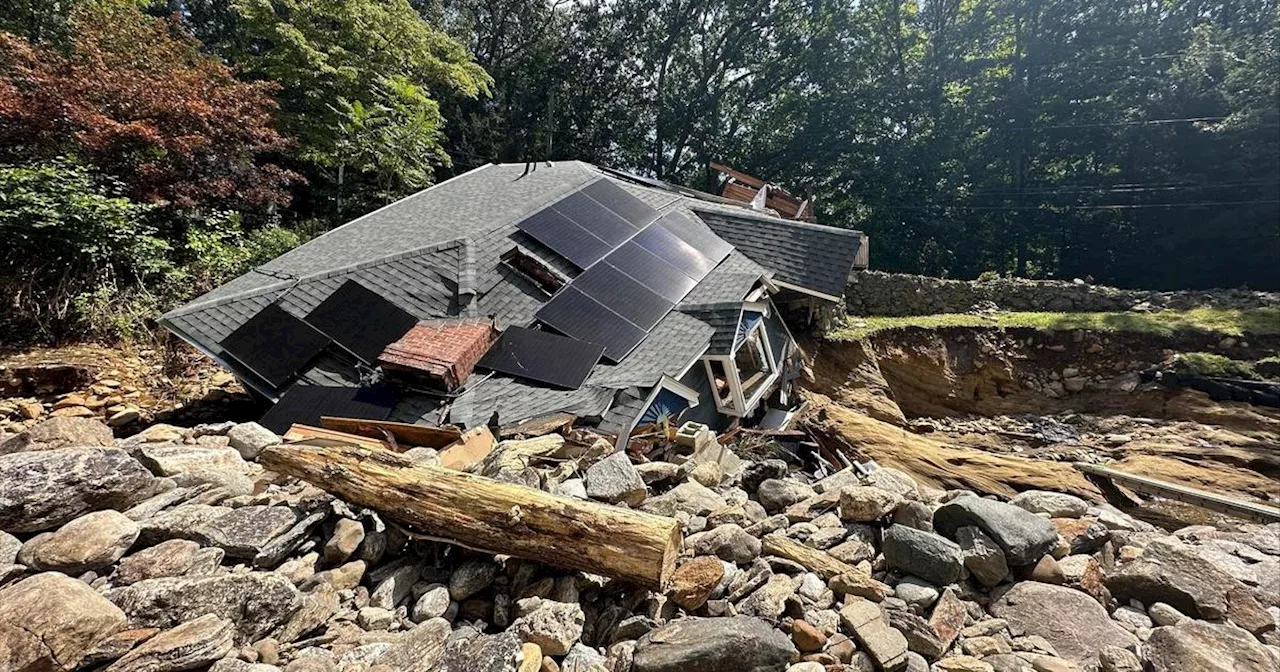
(360, 320)
(616, 301)
(274, 344)
(306, 404)
(589, 223)
(542, 356)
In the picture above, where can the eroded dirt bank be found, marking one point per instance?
(1003, 410)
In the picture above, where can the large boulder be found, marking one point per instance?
(1169, 572)
(420, 649)
(1056, 504)
(242, 532)
(923, 554)
(92, 541)
(1076, 625)
(41, 490)
(256, 601)
(690, 497)
(195, 464)
(1198, 646)
(188, 646)
(176, 557)
(250, 438)
(60, 433)
(51, 621)
(736, 644)
(614, 480)
(1023, 536)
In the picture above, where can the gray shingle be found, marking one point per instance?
(723, 318)
(816, 257)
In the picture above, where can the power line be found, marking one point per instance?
(1049, 206)
(1119, 188)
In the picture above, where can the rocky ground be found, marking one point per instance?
(174, 550)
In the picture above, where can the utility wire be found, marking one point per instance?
(1118, 188)
(1049, 206)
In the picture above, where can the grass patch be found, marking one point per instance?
(1166, 322)
(1209, 365)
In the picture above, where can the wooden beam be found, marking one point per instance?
(489, 515)
(1209, 500)
(405, 433)
(742, 177)
(319, 436)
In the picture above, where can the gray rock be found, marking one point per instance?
(51, 622)
(776, 494)
(393, 589)
(926, 555)
(864, 504)
(756, 473)
(419, 650)
(735, 644)
(185, 647)
(176, 557)
(885, 645)
(256, 601)
(316, 607)
(895, 481)
(1116, 659)
(982, 556)
(92, 541)
(57, 433)
(1076, 625)
(1056, 504)
(1198, 646)
(614, 480)
(921, 638)
(249, 438)
(730, 543)
(553, 626)
(583, 658)
(243, 533)
(346, 538)
(469, 651)
(689, 497)
(191, 465)
(41, 490)
(375, 618)
(1165, 614)
(769, 601)
(916, 592)
(657, 473)
(914, 514)
(433, 603)
(1023, 536)
(471, 577)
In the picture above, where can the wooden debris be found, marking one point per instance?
(489, 515)
(473, 446)
(811, 559)
(404, 433)
(534, 427)
(317, 436)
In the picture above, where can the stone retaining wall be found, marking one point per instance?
(879, 293)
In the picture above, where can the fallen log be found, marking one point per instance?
(489, 515)
(810, 558)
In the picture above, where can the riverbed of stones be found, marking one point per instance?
(174, 550)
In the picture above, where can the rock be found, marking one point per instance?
(1131, 619)
(63, 432)
(582, 658)
(51, 622)
(256, 601)
(1198, 646)
(693, 582)
(316, 608)
(471, 577)
(250, 438)
(1116, 659)
(1076, 625)
(926, 555)
(982, 556)
(1165, 614)
(806, 637)
(914, 514)
(1082, 535)
(813, 507)
(554, 626)
(859, 504)
(433, 603)
(124, 416)
(394, 586)
(807, 666)
(9, 548)
(92, 541)
(860, 584)
(689, 497)
(962, 664)
(857, 546)
(769, 600)
(44, 489)
(375, 618)
(1169, 572)
(981, 647)
(776, 494)
(948, 618)
(187, 646)
(916, 592)
(895, 481)
(707, 473)
(176, 557)
(756, 473)
(344, 577)
(1084, 573)
(1056, 504)
(193, 465)
(656, 473)
(112, 648)
(1022, 535)
(886, 646)
(733, 644)
(921, 638)
(730, 543)
(614, 480)
(346, 538)
(572, 487)
(243, 533)
(1048, 571)
(420, 650)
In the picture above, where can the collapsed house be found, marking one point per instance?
(519, 291)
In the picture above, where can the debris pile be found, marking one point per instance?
(200, 548)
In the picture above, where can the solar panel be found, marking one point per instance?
(698, 235)
(657, 275)
(628, 298)
(666, 246)
(575, 314)
(306, 404)
(602, 222)
(618, 200)
(274, 344)
(567, 239)
(543, 357)
(360, 320)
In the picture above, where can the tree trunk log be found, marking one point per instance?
(811, 559)
(489, 515)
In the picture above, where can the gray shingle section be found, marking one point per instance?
(515, 400)
(671, 345)
(627, 405)
(818, 258)
(723, 318)
(732, 280)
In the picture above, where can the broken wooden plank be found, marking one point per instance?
(474, 445)
(326, 437)
(1209, 500)
(405, 433)
(489, 515)
(811, 559)
(539, 426)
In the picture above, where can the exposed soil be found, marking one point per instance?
(1004, 410)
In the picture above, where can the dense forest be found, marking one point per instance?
(150, 149)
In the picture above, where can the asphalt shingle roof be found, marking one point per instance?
(811, 256)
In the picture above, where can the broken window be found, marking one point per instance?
(720, 382)
(753, 364)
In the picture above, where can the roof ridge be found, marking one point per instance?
(766, 219)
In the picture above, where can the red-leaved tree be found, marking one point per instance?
(134, 97)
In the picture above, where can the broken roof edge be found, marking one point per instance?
(286, 284)
(777, 219)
